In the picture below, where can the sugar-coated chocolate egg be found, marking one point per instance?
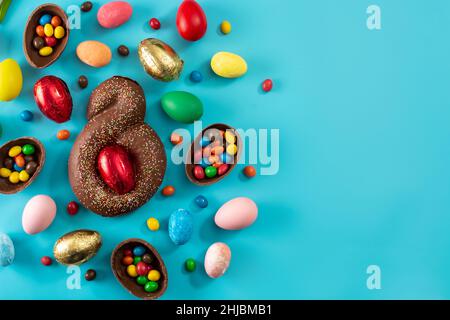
(77, 247)
(10, 80)
(139, 251)
(217, 259)
(114, 14)
(180, 226)
(228, 65)
(182, 106)
(236, 214)
(38, 214)
(7, 252)
(94, 53)
(191, 20)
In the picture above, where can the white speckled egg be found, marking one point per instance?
(236, 214)
(7, 252)
(217, 259)
(38, 214)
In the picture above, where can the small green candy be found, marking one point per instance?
(142, 280)
(137, 260)
(151, 286)
(210, 171)
(28, 149)
(190, 265)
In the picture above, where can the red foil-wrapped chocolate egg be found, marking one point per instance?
(116, 169)
(53, 98)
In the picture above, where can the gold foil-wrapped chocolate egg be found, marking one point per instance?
(77, 247)
(160, 60)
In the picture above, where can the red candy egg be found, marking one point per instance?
(127, 252)
(46, 261)
(72, 208)
(142, 268)
(222, 169)
(199, 173)
(53, 98)
(116, 169)
(50, 41)
(191, 20)
(155, 24)
(267, 85)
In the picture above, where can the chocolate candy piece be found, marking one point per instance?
(190, 265)
(151, 286)
(28, 158)
(90, 275)
(147, 258)
(123, 50)
(38, 43)
(86, 6)
(31, 167)
(9, 163)
(83, 82)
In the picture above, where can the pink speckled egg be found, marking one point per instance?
(114, 14)
(38, 214)
(217, 259)
(236, 214)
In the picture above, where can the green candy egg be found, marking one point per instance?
(142, 280)
(137, 260)
(151, 286)
(190, 265)
(182, 106)
(211, 171)
(28, 149)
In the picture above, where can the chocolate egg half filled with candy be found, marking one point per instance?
(77, 247)
(160, 60)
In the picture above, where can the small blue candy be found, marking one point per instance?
(204, 141)
(46, 18)
(17, 168)
(26, 115)
(205, 163)
(201, 201)
(139, 251)
(196, 76)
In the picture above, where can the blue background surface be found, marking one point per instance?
(364, 176)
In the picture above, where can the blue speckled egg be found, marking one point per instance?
(6, 250)
(180, 226)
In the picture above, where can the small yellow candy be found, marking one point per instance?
(153, 224)
(225, 27)
(14, 151)
(230, 137)
(5, 172)
(131, 270)
(24, 176)
(59, 32)
(231, 149)
(48, 30)
(46, 51)
(154, 275)
(14, 177)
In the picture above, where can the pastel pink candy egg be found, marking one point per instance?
(236, 214)
(38, 214)
(217, 259)
(114, 14)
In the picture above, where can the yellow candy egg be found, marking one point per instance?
(48, 30)
(24, 176)
(59, 32)
(5, 172)
(153, 224)
(225, 27)
(14, 177)
(131, 270)
(10, 80)
(154, 275)
(14, 151)
(46, 51)
(232, 149)
(230, 137)
(228, 65)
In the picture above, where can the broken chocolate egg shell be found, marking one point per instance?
(7, 187)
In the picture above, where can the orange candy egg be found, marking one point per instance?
(40, 31)
(250, 171)
(56, 21)
(19, 160)
(127, 260)
(168, 191)
(218, 150)
(175, 138)
(63, 134)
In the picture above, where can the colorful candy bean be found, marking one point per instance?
(153, 224)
